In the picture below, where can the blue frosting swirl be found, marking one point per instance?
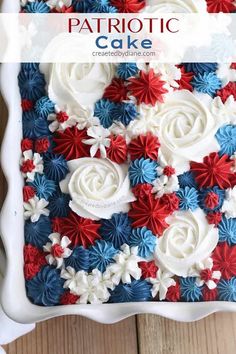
(142, 171)
(31, 84)
(144, 239)
(226, 137)
(207, 83)
(187, 180)
(36, 233)
(34, 126)
(46, 287)
(55, 167)
(190, 292)
(104, 110)
(227, 230)
(227, 289)
(203, 193)
(201, 68)
(101, 254)
(37, 7)
(59, 204)
(79, 259)
(44, 187)
(188, 198)
(117, 230)
(44, 106)
(125, 112)
(126, 70)
(137, 290)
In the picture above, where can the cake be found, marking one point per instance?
(130, 174)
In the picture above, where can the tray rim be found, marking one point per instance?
(14, 300)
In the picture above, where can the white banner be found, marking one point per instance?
(118, 37)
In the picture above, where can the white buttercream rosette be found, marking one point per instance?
(98, 188)
(186, 130)
(188, 240)
(73, 84)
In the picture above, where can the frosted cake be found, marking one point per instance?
(130, 175)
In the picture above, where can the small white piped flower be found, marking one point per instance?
(31, 163)
(57, 249)
(229, 205)
(59, 4)
(125, 266)
(169, 73)
(206, 275)
(99, 140)
(165, 185)
(161, 283)
(34, 208)
(225, 112)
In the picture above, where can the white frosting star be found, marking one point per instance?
(34, 208)
(99, 141)
(59, 4)
(37, 161)
(207, 264)
(165, 185)
(125, 266)
(161, 283)
(225, 113)
(229, 205)
(57, 249)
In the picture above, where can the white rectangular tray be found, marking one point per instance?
(14, 299)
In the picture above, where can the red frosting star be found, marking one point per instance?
(28, 193)
(215, 170)
(169, 171)
(142, 190)
(116, 91)
(185, 80)
(26, 144)
(27, 105)
(149, 269)
(69, 143)
(171, 201)
(126, 6)
(79, 230)
(117, 151)
(228, 90)
(151, 213)
(147, 88)
(144, 146)
(42, 145)
(68, 299)
(173, 293)
(214, 218)
(233, 66)
(34, 260)
(209, 295)
(224, 260)
(215, 6)
(211, 200)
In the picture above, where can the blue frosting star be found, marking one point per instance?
(44, 106)
(37, 7)
(30, 66)
(203, 193)
(144, 239)
(34, 126)
(36, 233)
(31, 84)
(117, 230)
(46, 287)
(142, 171)
(190, 292)
(44, 187)
(227, 289)
(187, 180)
(207, 83)
(79, 259)
(188, 198)
(125, 112)
(101, 254)
(227, 230)
(226, 137)
(104, 110)
(99, 6)
(55, 167)
(201, 68)
(137, 290)
(126, 70)
(59, 204)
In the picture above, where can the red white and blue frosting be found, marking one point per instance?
(130, 176)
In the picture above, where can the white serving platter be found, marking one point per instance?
(14, 300)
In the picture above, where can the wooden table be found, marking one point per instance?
(144, 334)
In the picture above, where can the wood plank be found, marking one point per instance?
(77, 335)
(213, 335)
